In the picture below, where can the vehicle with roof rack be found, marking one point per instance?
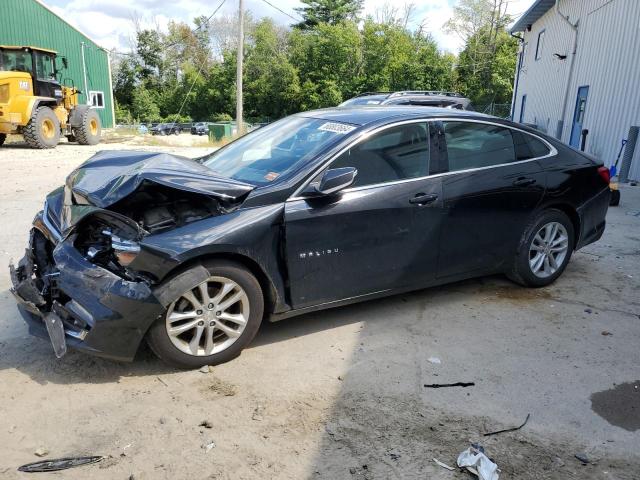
(424, 98)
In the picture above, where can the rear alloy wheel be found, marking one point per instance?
(548, 249)
(211, 323)
(545, 250)
(43, 129)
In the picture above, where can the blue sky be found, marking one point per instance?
(110, 23)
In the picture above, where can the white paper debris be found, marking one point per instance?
(478, 463)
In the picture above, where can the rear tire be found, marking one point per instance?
(544, 249)
(43, 129)
(614, 202)
(198, 329)
(3, 137)
(90, 128)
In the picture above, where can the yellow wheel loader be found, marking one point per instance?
(34, 104)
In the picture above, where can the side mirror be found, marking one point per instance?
(65, 62)
(336, 179)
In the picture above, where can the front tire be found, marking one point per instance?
(3, 137)
(211, 323)
(43, 129)
(544, 250)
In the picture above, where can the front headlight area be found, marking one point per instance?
(113, 245)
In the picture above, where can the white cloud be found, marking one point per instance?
(111, 24)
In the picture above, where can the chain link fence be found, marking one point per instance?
(502, 110)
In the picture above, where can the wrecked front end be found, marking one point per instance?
(84, 281)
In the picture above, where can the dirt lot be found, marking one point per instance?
(340, 394)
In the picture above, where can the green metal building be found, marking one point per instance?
(32, 23)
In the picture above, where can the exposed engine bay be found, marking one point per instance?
(109, 238)
(156, 208)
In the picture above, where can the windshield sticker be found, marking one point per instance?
(336, 127)
(271, 176)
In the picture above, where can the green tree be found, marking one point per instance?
(329, 61)
(486, 64)
(144, 107)
(316, 12)
(272, 83)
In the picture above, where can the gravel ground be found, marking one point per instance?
(340, 394)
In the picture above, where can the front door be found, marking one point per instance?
(578, 116)
(491, 189)
(378, 235)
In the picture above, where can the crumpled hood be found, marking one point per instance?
(110, 176)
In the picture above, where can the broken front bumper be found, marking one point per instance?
(99, 312)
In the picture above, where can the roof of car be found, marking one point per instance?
(363, 115)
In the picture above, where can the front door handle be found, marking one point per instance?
(423, 198)
(524, 182)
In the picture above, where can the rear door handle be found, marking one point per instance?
(423, 198)
(524, 182)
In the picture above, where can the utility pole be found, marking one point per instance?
(239, 62)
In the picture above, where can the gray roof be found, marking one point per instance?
(537, 10)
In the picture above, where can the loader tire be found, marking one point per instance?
(3, 137)
(90, 129)
(43, 129)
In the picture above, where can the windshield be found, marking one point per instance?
(16, 60)
(272, 151)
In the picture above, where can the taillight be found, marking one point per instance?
(604, 173)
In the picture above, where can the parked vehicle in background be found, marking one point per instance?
(200, 128)
(166, 129)
(424, 98)
(317, 210)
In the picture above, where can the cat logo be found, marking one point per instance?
(23, 85)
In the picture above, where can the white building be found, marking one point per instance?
(579, 69)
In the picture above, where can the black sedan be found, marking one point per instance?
(317, 210)
(166, 129)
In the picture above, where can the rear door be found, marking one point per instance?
(378, 235)
(492, 186)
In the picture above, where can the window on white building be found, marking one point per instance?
(523, 60)
(540, 45)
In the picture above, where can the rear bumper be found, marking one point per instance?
(102, 314)
(592, 218)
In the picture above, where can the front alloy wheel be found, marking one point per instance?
(209, 318)
(212, 322)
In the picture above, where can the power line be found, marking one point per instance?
(282, 11)
(199, 27)
(199, 69)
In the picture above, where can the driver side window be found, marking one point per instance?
(396, 153)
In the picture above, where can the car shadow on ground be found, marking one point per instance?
(34, 356)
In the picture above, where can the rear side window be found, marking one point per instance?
(477, 145)
(527, 146)
(397, 153)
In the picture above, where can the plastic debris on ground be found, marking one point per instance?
(58, 464)
(476, 462)
(443, 465)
